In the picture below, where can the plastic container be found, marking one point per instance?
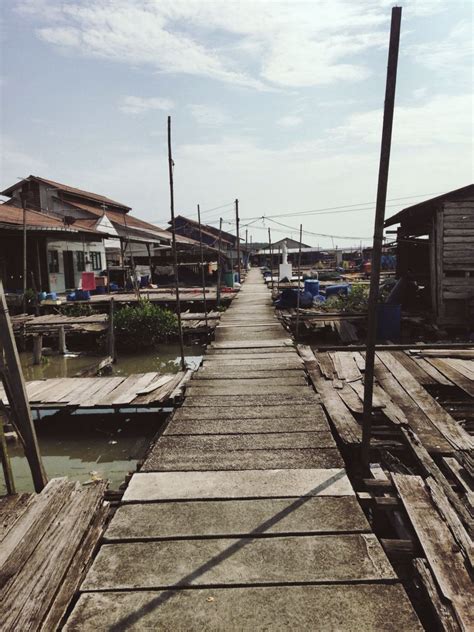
(236, 277)
(229, 279)
(388, 321)
(311, 286)
(42, 296)
(333, 290)
(52, 296)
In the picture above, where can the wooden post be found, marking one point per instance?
(15, 389)
(278, 270)
(6, 463)
(219, 267)
(299, 286)
(203, 272)
(62, 340)
(38, 265)
(150, 264)
(237, 229)
(378, 232)
(271, 257)
(175, 252)
(37, 348)
(23, 204)
(111, 332)
(246, 249)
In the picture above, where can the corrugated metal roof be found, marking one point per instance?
(67, 189)
(12, 216)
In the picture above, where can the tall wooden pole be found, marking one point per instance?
(378, 231)
(23, 204)
(271, 256)
(175, 252)
(203, 272)
(237, 224)
(219, 266)
(15, 389)
(247, 249)
(299, 285)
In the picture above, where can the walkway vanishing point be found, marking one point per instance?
(242, 517)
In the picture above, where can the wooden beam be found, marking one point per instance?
(16, 393)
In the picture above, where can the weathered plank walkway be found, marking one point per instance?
(139, 389)
(243, 517)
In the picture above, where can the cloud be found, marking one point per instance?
(447, 52)
(140, 105)
(443, 120)
(291, 120)
(263, 46)
(208, 115)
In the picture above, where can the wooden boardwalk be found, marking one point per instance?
(242, 516)
(139, 389)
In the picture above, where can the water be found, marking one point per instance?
(86, 446)
(165, 359)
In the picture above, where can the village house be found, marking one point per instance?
(80, 231)
(434, 248)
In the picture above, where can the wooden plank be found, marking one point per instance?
(412, 367)
(346, 426)
(345, 366)
(11, 509)
(109, 384)
(433, 371)
(446, 425)
(435, 538)
(454, 375)
(32, 591)
(442, 609)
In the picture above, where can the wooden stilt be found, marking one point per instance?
(37, 349)
(111, 332)
(6, 463)
(62, 341)
(15, 389)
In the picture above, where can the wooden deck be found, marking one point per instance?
(46, 543)
(242, 516)
(400, 392)
(141, 389)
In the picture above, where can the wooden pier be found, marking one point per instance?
(139, 390)
(242, 516)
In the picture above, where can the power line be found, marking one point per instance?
(344, 206)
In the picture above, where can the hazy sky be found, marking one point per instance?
(276, 103)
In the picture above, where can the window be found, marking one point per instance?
(80, 261)
(53, 261)
(96, 260)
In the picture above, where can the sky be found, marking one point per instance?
(278, 104)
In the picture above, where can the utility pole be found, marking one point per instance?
(237, 223)
(271, 257)
(247, 248)
(219, 266)
(299, 286)
(378, 232)
(23, 204)
(203, 273)
(175, 252)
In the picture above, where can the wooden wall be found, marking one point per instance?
(455, 262)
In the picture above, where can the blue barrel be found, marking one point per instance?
(333, 290)
(388, 321)
(311, 286)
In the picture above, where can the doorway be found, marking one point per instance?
(68, 260)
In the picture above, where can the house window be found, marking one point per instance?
(96, 260)
(80, 261)
(53, 261)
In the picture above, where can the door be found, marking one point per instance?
(69, 280)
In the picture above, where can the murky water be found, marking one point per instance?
(165, 359)
(84, 446)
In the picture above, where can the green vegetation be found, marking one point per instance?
(144, 325)
(355, 301)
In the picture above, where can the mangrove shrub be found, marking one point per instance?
(143, 325)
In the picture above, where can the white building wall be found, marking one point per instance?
(57, 279)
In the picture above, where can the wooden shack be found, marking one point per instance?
(435, 245)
